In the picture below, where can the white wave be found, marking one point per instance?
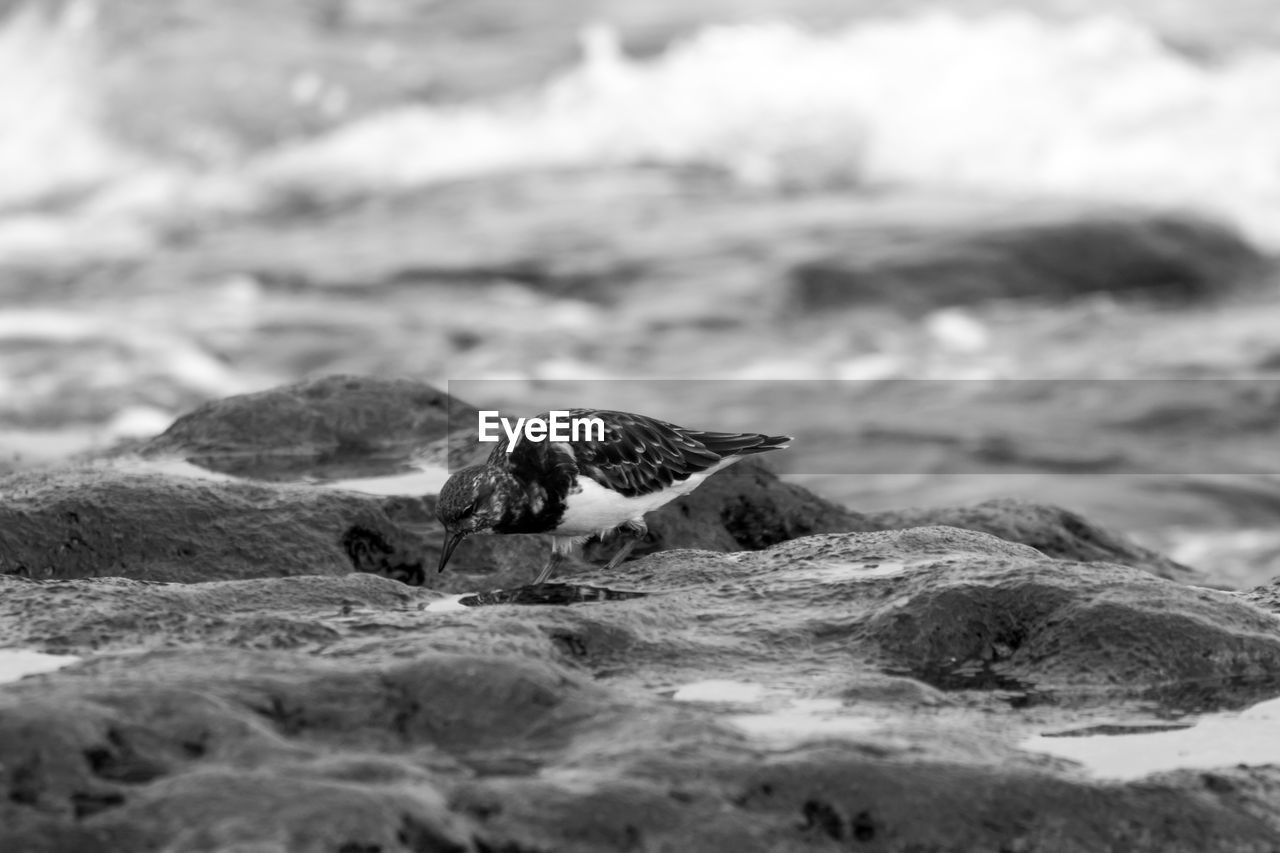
(51, 135)
(1100, 108)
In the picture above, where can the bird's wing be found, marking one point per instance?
(637, 455)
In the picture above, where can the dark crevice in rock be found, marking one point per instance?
(1206, 695)
(1217, 784)
(549, 593)
(971, 677)
(120, 762)
(370, 552)
(826, 818)
(194, 749)
(419, 837)
(747, 799)
(505, 846)
(85, 805)
(864, 827)
(288, 720)
(481, 810)
(1112, 729)
(24, 783)
(570, 643)
(407, 710)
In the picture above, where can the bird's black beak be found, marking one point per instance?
(447, 551)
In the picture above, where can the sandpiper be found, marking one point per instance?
(583, 487)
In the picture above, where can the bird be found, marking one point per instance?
(581, 488)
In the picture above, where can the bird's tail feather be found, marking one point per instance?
(725, 444)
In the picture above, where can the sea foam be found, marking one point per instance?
(1100, 108)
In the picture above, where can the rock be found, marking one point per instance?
(103, 522)
(747, 507)
(276, 810)
(944, 606)
(1046, 255)
(744, 507)
(330, 417)
(206, 717)
(121, 613)
(1055, 532)
(1060, 625)
(839, 796)
(112, 522)
(958, 609)
(1266, 596)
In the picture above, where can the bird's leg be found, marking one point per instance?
(553, 561)
(635, 531)
(561, 546)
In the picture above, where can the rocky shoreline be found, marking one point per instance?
(776, 672)
(1011, 288)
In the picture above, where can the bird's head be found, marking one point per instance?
(470, 502)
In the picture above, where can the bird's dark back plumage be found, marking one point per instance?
(637, 455)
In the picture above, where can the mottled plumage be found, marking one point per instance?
(576, 489)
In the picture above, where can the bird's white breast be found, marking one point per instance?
(595, 509)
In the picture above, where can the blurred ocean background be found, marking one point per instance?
(199, 200)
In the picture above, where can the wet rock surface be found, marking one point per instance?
(328, 713)
(318, 423)
(124, 521)
(104, 522)
(1053, 531)
(276, 664)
